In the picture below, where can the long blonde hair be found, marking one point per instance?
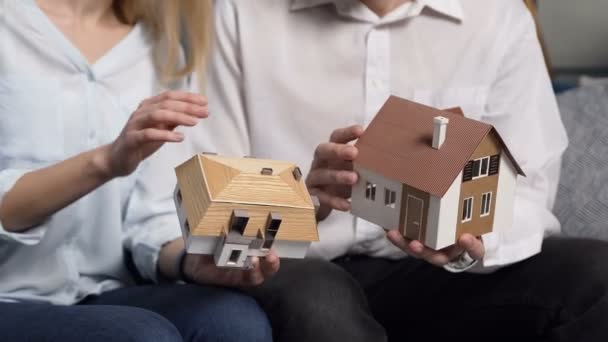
(173, 22)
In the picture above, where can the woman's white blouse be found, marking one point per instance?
(53, 105)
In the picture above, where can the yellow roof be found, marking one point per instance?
(240, 180)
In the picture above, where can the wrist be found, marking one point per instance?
(181, 267)
(172, 260)
(101, 164)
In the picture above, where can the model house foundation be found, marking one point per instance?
(433, 175)
(237, 208)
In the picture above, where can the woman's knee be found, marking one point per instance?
(91, 323)
(128, 324)
(220, 314)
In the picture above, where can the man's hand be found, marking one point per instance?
(331, 174)
(201, 269)
(467, 242)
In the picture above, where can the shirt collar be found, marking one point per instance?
(450, 8)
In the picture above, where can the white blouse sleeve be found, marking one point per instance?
(524, 110)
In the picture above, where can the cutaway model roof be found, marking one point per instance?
(239, 180)
(398, 145)
(210, 187)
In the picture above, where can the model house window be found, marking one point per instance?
(390, 197)
(486, 201)
(234, 257)
(240, 218)
(370, 191)
(467, 209)
(272, 228)
(480, 167)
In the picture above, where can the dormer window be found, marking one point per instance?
(480, 167)
(297, 173)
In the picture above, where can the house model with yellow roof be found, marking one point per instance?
(237, 208)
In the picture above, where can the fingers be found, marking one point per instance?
(156, 135)
(196, 110)
(253, 276)
(331, 201)
(347, 134)
(335, 151)
(270, 264)
(418, 250)
(174, 95)
(395, 237)
(165, 118)
(321, 177)
(472, 245)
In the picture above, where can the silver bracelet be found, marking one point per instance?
(461, 263)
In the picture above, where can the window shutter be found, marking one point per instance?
(467, 173)
(494, 164)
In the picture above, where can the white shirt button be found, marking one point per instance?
(90, 76)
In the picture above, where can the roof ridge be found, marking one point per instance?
(301, 195)
(235, 172)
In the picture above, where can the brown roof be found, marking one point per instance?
(398, 145)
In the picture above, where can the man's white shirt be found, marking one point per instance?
(285, 74)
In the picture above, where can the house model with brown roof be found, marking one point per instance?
(236, 208)
(433, 175)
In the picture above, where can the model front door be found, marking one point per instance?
(413, 217)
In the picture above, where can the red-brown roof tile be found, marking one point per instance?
(398, 145)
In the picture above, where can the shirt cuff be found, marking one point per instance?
(147, 242)
(32, 236)
(499, 254)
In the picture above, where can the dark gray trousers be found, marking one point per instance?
(558, 295)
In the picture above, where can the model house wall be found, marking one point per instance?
(441, 229)
(480, 192)
(209, 244)
(371, 200)
(507, 180)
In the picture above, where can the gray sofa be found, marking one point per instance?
(582, 199)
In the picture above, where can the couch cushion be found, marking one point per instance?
(582, 199)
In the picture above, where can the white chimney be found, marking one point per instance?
(440, 128)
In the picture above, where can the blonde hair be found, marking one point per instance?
(173, 22)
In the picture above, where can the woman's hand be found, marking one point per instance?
(331, 174)
(201, 269)
(150, 126)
